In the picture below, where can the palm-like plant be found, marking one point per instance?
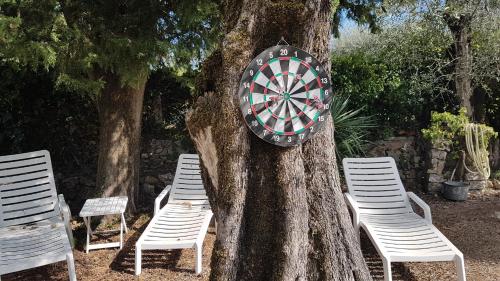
(351, 128)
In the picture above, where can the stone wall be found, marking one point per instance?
(405, 152)
(435, 163)
(421, 166)
(159, 161)
(77, 185)
(158, 164)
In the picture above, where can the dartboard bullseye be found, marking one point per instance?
(285, 95)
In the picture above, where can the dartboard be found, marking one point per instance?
(285, 95)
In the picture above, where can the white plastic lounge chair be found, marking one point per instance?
(184, 220)
(34, 222)
(381, 206)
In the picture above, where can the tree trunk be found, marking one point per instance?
(120, 111)
(280, 211)
(157, 109)
(460, 27)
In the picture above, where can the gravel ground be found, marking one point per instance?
(473, 226)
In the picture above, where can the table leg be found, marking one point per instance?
(121, 233)
(87, 221)
(87, 224)
(124, 223)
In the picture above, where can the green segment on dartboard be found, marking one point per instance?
(256, 75)
(316, 117)
(251, 98)
(260, 120)
(314, 72)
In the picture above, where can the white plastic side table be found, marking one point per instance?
(104, 207)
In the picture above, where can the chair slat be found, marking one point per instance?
(41, 167)
(23, 162)
(5, 181)
(382, 205)
(25, 212)
(42, 195)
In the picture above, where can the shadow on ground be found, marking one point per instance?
(472, 226)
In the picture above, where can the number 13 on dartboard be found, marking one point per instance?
(285, 95)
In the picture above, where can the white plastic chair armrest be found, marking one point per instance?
(354, 208)
(66, 215)
(160, 197)
(421, 204)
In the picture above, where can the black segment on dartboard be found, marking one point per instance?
(285, 95)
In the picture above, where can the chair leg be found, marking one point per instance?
(199, 253)
(71, 266)
(138, 257)
(355, 224)
(358, 234)
(121, 234)
(124, 223)
(387, 269)
(459, 262)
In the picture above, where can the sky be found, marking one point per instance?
(348, 29)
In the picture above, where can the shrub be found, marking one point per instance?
(351, 128)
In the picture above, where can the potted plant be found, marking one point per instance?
(456, 190)
(469, 141)
(442, 135)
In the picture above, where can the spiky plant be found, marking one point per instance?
(351, 128)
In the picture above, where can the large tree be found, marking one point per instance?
(464, 19)
(280, 211)
(458, 15)
(106, 49)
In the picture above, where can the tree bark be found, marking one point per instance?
(280, 211)
(157, 109)
(120, 111)
(460, 27)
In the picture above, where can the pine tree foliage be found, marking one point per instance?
(85, 39)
